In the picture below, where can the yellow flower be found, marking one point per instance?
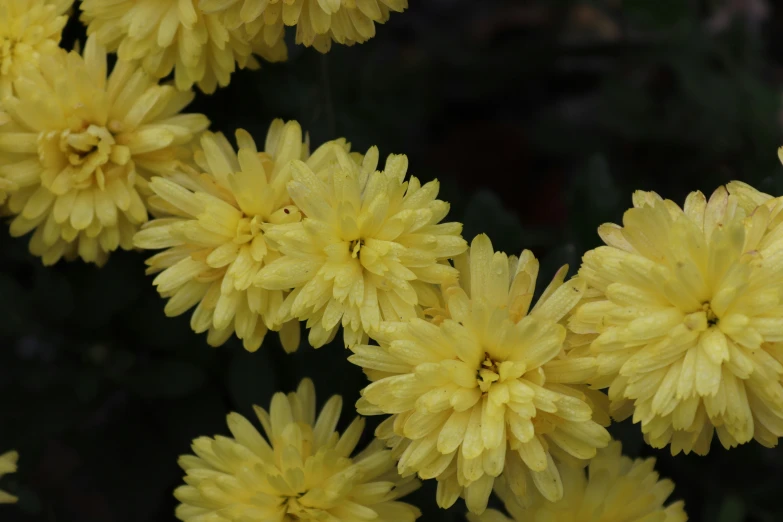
(616, 489)
(28, 29)
(215, 243)
(81, 147)
(8, 465)
(687, 314)
(317, 22)
(489, 390)
(301, 471)
(369, 248)
(166, 35)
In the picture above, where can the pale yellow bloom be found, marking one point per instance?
(301, 471)
(81, 147)
(166, 35)
(28, 30)
(370, 247)
(8, 465)
(318, 22)
(616, 489)
(215, 242)
(490, 389)
(687, 314)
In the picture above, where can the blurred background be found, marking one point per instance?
(540, 118)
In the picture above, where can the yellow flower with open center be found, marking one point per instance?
(214, 236)
(81, 147)
(489, 390)
(687, 314)
(370, 247)
(176, 35)
(28, 29)
(301, 471)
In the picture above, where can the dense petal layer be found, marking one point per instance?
(487, 388)
(300, 469)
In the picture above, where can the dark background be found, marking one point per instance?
(539, 117)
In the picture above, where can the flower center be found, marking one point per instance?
(702, 319)
(84, 152)
(712, 319)
(248, 228)
(355, 247)
(488, 373)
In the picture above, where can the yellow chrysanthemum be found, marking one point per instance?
(81, 147)
(301, 471)
(616, 489)
(488, 390)
(688, 315)
(8, 465)
(166, 35)
(215, 240)
(28, 29)
(369, 248)
(317, 22)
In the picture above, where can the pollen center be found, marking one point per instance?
(89, 154)
(248, 228)
(488, 373)
(355, 247)
(712, 319)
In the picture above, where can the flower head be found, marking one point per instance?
(166, 35)
(301, 471)
(318, 22)
(214, 235)
(81, 147)
(369, 248)
(8, 465)
(28, 30)
(616, 489)
(687, 311)
(490, 389)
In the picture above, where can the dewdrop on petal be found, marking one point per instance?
(615, 489)
(8, 465)
(80, 147)
(489, 390)
(301, 469)
(176, 35)
(687, 316)
(214, 237)
(369, 248)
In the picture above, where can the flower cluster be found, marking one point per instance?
(679, 316)
(302, 470)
